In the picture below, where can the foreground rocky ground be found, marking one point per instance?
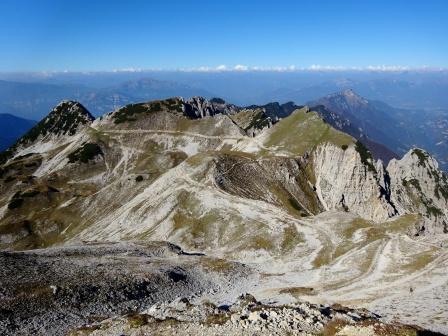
(155, 288)
(248, 317)
(51, 291)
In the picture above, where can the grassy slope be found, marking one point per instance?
(301, 132)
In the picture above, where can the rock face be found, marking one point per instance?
(279, 181)
(414, 184)
(418, 185)
(344, 182)
(199, 107)
(251, 120)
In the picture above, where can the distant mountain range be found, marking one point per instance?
(34, 99)
(375, 122)
(406, 89)
(11, 128)
(397, 111)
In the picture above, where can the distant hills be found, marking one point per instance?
(375, 122)
(394, 110)
(34, 99)
(11, 128)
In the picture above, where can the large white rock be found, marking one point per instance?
(344, 182)
(419, 186)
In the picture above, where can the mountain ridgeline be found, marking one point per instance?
(150, 155)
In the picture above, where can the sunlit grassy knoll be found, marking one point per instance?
(302, 131)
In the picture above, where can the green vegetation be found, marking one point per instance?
(59, 121)
(414, 182)
(441, 188)
(19, 197)
(371, 232)
(366, 156)
(86, 153)
(344, 147)
(128, 112)
(251, 119)
(302, 131)
(291, 238)
(210, 229)
(6, 155)
(15, 203)
(420, 260)
(422, 156)
(297, 292)
(137, 320)
(139, 178)
(217, 264)
(173, 104)
(261, 242)
(31, 193)
(132, 111)
(292, 201)
(401, 224)
(431, 210)
(217, 100)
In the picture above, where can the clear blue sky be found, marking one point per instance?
(103, 35)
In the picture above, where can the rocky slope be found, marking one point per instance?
(47, 292)
(345, 182)
(418, 185)
(155, 288)
(305, 205)
(250, 317)
(63, 122)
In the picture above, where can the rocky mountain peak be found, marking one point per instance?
(347, 103)
(423, 158)
(74, 108)
(350, 97)
(420, 186)
(199, 107)
(420, 163)
(65, 119)
(349, 93)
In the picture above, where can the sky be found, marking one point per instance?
(102, 35)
